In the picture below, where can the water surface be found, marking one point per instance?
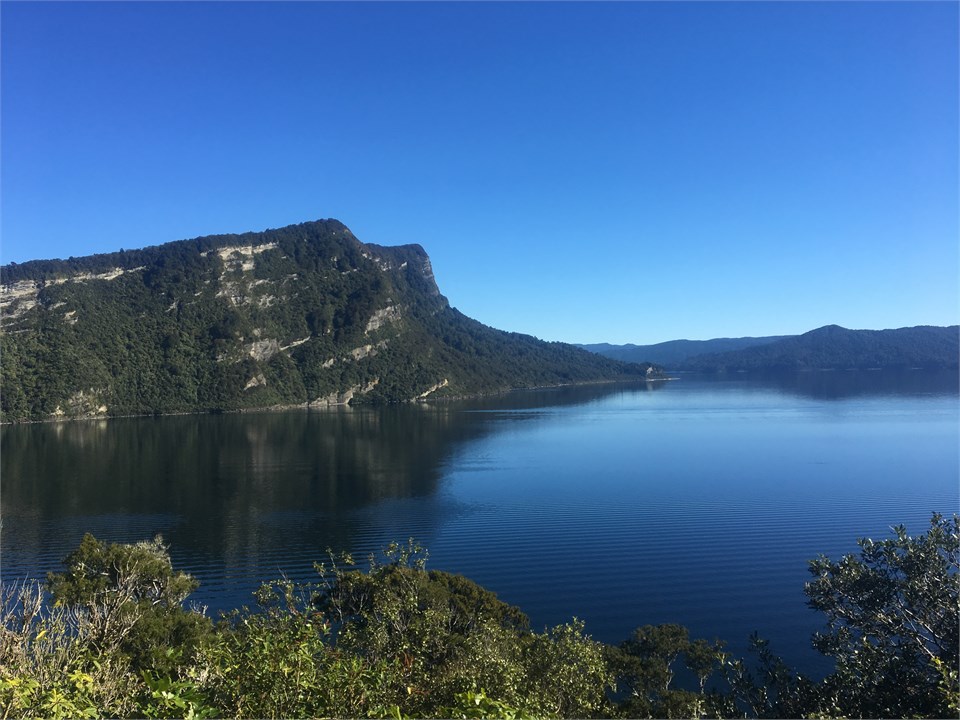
(697, 501)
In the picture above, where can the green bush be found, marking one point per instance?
(397, 640)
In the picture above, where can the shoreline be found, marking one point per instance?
(306, 406)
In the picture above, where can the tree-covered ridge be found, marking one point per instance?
(303, 315)
(828, 348)
(674, 353)
(396, 640)
(836, 348)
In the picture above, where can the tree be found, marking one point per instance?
(645, 663)
(893, 624)
(447, 638)
(129, 598)
(770, 689)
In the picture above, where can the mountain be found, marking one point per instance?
(836, 348)
(305, 315)
(674, 353)
(827, 348)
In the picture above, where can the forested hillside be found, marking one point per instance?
(827, 348)
(303, 315)
(836, 348)
(674, 353)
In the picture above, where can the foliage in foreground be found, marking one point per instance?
(112, 638)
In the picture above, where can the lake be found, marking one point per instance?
(696, 501)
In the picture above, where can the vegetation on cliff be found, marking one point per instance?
(397, 640)
(303, 315)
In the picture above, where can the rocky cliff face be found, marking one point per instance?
(305, 315)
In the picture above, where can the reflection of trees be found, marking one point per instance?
(230, 488)
(549, 397)
(840, 384)
(217, 470)
(881, 382)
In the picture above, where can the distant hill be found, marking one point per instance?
(831, 347)
(673, 353)
(836, 348)
(305, 315)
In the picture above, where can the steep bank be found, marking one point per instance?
(303, 315)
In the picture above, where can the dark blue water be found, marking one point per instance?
(697, 501)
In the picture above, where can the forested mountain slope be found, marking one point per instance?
(303, 315)
(673, 353)
(836, 348)
(828, 348)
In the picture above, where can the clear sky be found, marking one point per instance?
(586, 172)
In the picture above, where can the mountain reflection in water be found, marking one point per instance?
(697, 500)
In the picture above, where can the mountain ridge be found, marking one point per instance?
(833, 347)
(673, 352)
(305, 315)
(830, 347)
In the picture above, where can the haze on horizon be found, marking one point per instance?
(616, 172)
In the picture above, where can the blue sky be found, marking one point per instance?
(586, 172)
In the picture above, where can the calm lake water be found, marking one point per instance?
(696, 501)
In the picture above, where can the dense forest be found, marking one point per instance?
(304, 315)
(673, 354)
(111, 636)
(828, 348)
(836, 348)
